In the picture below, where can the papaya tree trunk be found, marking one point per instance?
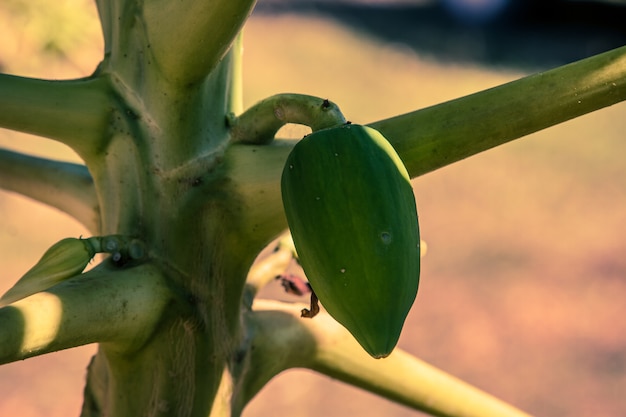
(159, 173)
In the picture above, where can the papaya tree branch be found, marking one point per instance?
(260, 122)
(63, 185)
(284, 340)
(119, 307)
(277, 340)
(188, 57)
(268, 268)
(73, 112)
(254, 175)
(436, 136)
(404, 379)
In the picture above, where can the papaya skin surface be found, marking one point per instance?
(352, 214)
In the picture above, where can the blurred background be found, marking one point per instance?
(523, 286)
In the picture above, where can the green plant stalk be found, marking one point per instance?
(268, 268)
(259, 123)
(73, 112)
(187, 60)
(440, 135)
(437, 136)
(162, 178)
(155, 156)
(72, 313)
(184, 212)
(407, 380)
(136, 32)
(63, 185)
(285, 341)
(276, 340)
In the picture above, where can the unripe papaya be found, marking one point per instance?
(352, 214)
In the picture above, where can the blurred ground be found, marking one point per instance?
(522, 288)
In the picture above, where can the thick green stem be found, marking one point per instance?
(179, 42)
(187, 58)
(163, 178)
(404, 379)
(277, 339)
(437, 136)
(259, 124)
(65, 186)
(73, 112)
(284, 340)
(268, 268)
(120, 308)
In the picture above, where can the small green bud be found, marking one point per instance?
(65, 259)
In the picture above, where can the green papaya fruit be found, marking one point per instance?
(352, 214)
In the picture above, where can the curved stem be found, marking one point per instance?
(277, 339)
(119, 307)
(437, 136)
(73, 112)
(139, 35)
(266, 270)
(63, 185)
(260, 122)
(283, 340)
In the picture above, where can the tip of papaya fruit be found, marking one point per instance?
(378, 344)
(378, 352)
